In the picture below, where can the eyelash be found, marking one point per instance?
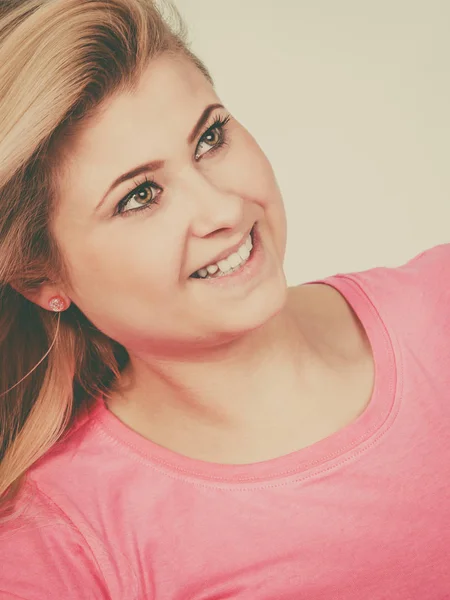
(219, 123)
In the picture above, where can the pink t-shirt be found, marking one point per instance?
(361, 515)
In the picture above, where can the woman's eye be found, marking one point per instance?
(212, 139)
(142, 197)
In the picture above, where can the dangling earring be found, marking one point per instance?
(56, 304)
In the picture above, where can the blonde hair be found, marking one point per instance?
(59, 59)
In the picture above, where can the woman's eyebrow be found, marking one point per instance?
(202, 120)
(158, 164)
(144, 168)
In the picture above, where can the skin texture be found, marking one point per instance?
(215, 373)
(137, 287)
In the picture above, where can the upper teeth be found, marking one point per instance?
(231, 262)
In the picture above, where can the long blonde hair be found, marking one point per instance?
(59, 59)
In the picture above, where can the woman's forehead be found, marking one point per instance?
(168, 99)
(149, 123)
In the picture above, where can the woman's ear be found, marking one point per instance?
(48, 296)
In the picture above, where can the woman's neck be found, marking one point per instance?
(206, 381)
(307, 373)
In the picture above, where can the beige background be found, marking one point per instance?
(350, 100)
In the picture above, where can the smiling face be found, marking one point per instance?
(164, 181)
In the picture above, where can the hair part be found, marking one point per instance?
(59, 61)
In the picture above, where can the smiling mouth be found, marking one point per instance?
(230, 264)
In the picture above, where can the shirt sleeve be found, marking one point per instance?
(44, 557)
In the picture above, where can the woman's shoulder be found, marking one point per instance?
(412, 298)
(63, 509)
(42, 553)
(416, 291)
(329, 322)
(428, 271)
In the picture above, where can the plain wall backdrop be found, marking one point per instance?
(350, 101)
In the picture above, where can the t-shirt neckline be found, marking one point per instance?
(326, 453)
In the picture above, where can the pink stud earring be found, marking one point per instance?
(56, 304)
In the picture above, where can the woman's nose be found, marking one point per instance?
(213, 207)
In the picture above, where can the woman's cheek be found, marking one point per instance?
(255, 165)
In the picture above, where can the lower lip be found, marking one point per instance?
(246, 272)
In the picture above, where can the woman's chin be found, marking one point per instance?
(253, 312)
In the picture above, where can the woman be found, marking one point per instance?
(177, 423)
